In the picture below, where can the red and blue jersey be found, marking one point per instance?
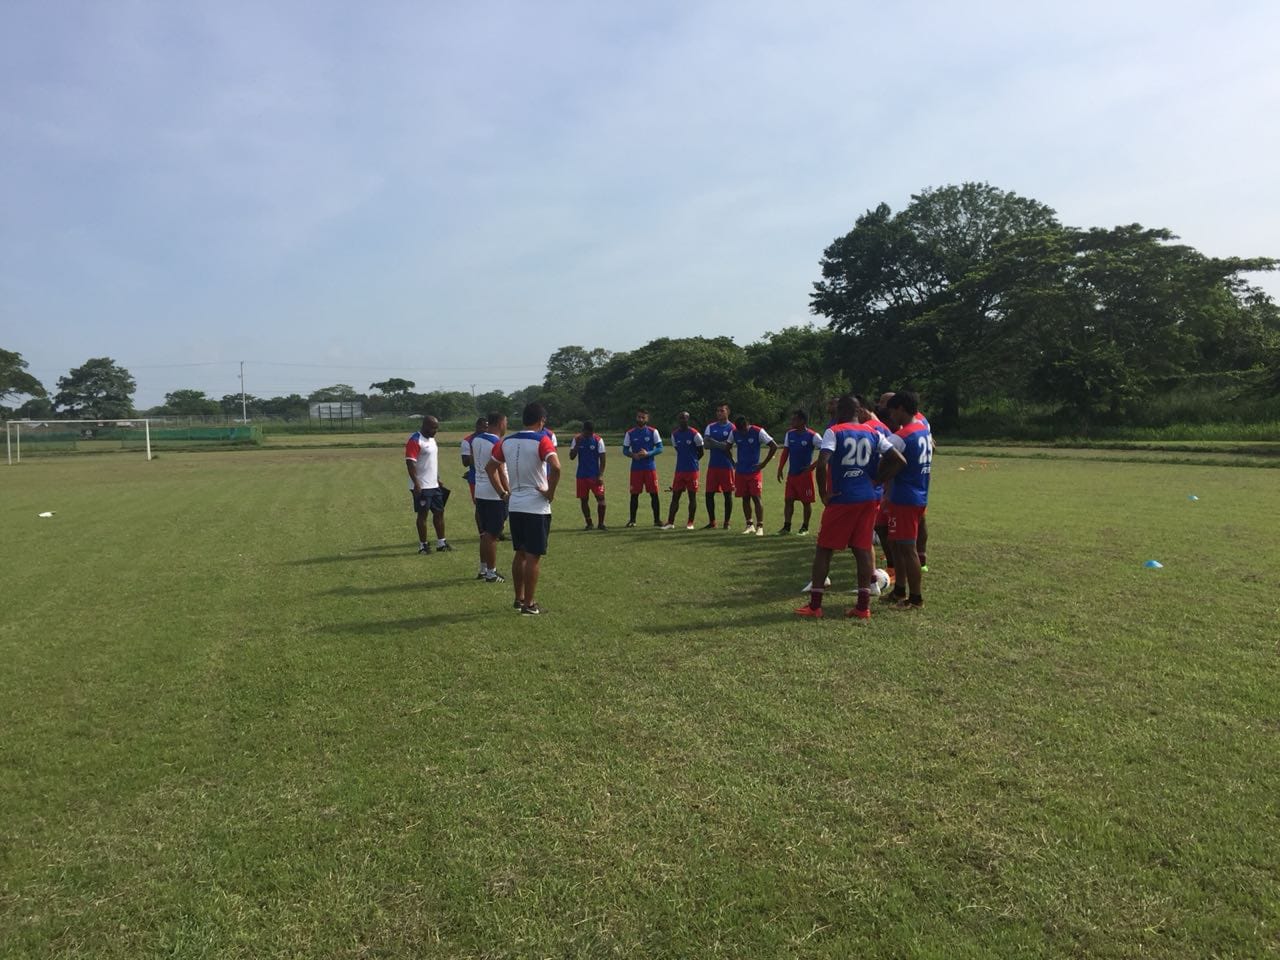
(642, 438)
(855, 459)
(748, 443)
(886, 431)
(688, 443)
(911, 483)
(588, 451)
(723, 433)
(800, 447)
(466, 452)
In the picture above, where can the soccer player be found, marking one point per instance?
(688, 444)
(747, 441)
(909, 497)
(525, 471)
(718, 435)
(853, 452)
(641, 444)
(422, 458)
(588, 449)
(799, 448)
(491, 509)
(882, 525)
(467, 460)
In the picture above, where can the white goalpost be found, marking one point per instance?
(68, 434)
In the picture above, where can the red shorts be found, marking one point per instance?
(644, 480)
(685, 480)
(719, 479)
(747, 484)
(590, 485)
(800, 487)
(904, 522)
(847, 525)
(882, 519)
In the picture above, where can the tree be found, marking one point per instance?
(393, 385)
(14, 379)
(796, 367)
(495, 401)
(338, 393)
(191, 403)
(37, 408)
(99, 388)
(395, 395)
(292, 407)
(1096, 319)
(231, 406)
(885, 282)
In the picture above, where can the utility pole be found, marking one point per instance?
(244, 410)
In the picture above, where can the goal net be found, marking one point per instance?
(26, 438)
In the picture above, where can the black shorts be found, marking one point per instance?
(529, 532)
(428, 499)
(491, 516)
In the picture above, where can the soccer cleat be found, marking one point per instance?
(710, 526)
(495, 578)
(668, 526)
(783, 531)
(808, 611)
(924, 568)
(444, 548)
(630, 523)
(759, 531)
(530, 610)
(689, 525)
(658, 524)
(725, 525)
(751, 528)
(423, 548)
(482, 574)
(602, 527)
(908, 604)
(589, 526)
(893, 598)
(862, 613)
(808, 587)
(518, 605)
(802, 532)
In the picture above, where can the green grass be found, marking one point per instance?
(242, 718)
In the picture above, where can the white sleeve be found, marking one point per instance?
(466, 448)
(829, 440)
(892, 442)
(697, 439)
(764, 437)
(600, 444)
(657, 437)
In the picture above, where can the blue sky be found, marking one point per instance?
(340, 192)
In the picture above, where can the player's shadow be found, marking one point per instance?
(355, 556)
(350, 590)
(426, 625)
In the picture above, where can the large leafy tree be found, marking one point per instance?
(568, 370)
(338, 393)
(884, 284)
(1094, 320)
(795, 367)
(191, 403)
(14, 379)
(98, 388)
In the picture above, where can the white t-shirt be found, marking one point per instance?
(422, 453)
(526, 455)
(482, 445)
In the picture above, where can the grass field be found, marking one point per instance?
(242, 718)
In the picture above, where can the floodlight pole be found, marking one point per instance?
(7, 452)
(244, 410)
(147, 425)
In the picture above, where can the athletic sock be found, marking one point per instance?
(864, 598)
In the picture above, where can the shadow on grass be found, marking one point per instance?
(424, 624)
(347, 590)
(368, 553)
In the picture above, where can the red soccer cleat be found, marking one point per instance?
(808, 611)
(861, 614)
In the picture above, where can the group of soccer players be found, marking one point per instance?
(870, 468)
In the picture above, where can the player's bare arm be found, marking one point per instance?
(890, 463)
(773, 448)
(413, 475)
(782, 462)
(553, 476)
(824, 458)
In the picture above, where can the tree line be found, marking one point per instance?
(970, 295)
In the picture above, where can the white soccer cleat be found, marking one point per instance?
(751, 528)
(668, 526)
(809, 586)
(759, 531)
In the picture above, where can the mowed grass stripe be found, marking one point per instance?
(245, 719)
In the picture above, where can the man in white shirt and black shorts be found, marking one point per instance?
(525, 470)
(422, 459)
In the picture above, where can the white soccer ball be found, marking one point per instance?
(879, 582)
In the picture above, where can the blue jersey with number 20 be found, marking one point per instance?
(855, 458)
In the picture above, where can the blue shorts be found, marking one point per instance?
(491, 516)
(530, 531)
(428, 499)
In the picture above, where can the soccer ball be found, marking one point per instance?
(879, 582)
